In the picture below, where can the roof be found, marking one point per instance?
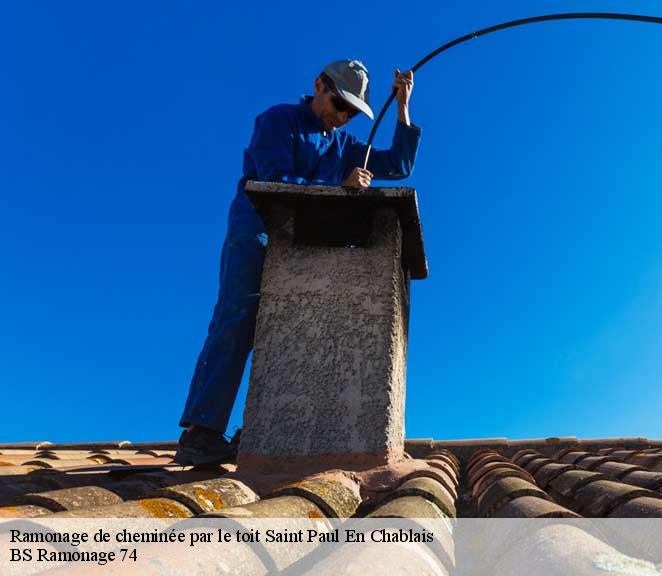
(559, 478)
(466, 478)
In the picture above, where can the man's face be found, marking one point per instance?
(325, 106)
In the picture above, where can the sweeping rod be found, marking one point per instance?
(504, 26)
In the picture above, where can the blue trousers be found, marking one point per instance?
(220, 366)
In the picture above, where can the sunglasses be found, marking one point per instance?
(338, 103)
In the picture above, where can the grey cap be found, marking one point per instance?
(351, 80)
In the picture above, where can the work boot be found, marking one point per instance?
(200, 445)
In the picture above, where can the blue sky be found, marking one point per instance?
(121, 136)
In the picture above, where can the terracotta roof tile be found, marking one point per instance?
(503, 491)
(546, 473)
(563, 487)
(492, 467)
(336, 496)
(617, 469)
(566, 548)
(146, 508)
(532, 466)
(651, 461)
(642, 507)
(533, 507)
(209, 495)
(72, 498)
(624, 455)
(280, 507)
(523, 452)
(25, 511)
(592, 462)
(573, 457)
(597, 499)
(452, 462)
(441, 476)
(429, 489)
(645, 479)
(482, 460)
(408, 507)
(495, 474)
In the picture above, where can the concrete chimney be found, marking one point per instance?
(327, 386)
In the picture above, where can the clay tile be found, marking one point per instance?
(481, 472)
(505, 490)
(561, 453)
(599, 498)
(10, 492)
(430, 490)
(623, 454)
(445, 453)
(606, 451)
(617, 469)
(638, 508)
(478, 454)
(556, 548)
(26, 511)
(534, 465)
(147, 508)
(436, 474)
(533, 507)
(17, 470)
(484, 459)
(336, 495)
(651, 461)
(47, 456)
(146, 452)
(38, 464)
(99, 458)
(281, 507)
(547, 472)
(450, 472)
(564, 485)
(209, 495)
(51, 479)
(526, 458)
(644, 479)
(592, 462)
(15, 459)
(515, 457)
(445, 458)
(72, 498)
(67, 463)
(138, 461)
(573, 457)
(408, 507)
(497, 474)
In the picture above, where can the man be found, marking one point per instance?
(299, 144)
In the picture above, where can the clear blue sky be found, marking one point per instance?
(539, 178)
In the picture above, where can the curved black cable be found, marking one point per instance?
(504, 26)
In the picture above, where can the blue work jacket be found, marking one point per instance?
(290, 144)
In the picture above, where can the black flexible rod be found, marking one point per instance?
(505, 25)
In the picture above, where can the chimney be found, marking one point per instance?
(327, 386)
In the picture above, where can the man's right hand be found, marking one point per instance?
(358, 178)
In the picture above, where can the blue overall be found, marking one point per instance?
(289, 144)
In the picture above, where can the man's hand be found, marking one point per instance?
(403, 86)
(358, 178)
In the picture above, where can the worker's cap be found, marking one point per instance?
(351, 80)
